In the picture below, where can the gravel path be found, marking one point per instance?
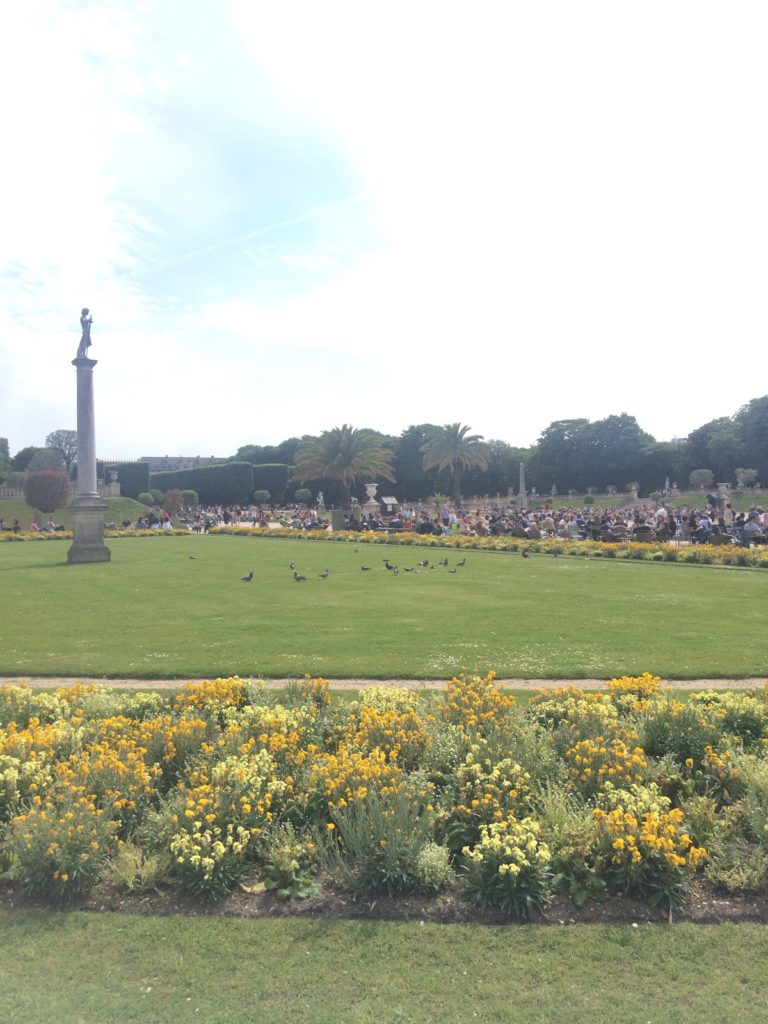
(359, 684)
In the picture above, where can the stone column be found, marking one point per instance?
(87, 507)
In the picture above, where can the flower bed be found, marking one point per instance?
(691, 554)
(225, 784)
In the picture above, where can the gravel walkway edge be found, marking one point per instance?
(359, 684)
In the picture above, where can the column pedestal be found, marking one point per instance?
(87, 507)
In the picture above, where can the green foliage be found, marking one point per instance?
(288, 859)
(137, 870)
(261, 496)
(452, 447)
(133, 477)
(5, 460)
(230, 483)
(146, 499)
(208, 861)
(508, 869)
(344, 454)
(46, 458)
(173, 501)
(302, 494)
(190, 498)
(156, 495)
(272, 477)
(61, 844)
(753, 772)
(701, 478)
(736, 865)
(65, 441)
(432, 870)
(22, 458)
(46, 489)
(374, 845)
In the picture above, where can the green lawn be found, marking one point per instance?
(87, 969)
(118, 509)
(155, 611)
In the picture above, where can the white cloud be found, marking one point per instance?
(569, 200)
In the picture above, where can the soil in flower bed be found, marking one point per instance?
(705, 905)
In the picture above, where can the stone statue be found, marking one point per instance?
(85, 341)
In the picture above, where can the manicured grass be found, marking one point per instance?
(118, 509)
(84, 969)
(176, 607)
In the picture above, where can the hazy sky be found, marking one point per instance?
(286, 216)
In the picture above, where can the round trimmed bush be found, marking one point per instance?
(146, 498)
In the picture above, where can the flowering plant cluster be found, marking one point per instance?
(629, 790)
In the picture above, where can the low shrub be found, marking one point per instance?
(508, 869)
(371, 846)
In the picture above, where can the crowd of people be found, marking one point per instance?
(710, 523)
(715, 522)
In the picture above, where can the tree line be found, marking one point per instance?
(427, 459)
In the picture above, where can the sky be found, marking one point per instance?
(288, 216)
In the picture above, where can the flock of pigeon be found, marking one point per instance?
(394, 569)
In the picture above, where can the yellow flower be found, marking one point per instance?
(330, 826)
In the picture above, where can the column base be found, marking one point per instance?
(88, 529)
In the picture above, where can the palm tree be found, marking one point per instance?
(452, 447)
(343, 454)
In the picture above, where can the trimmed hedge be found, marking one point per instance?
(272, 477)
(133, 477)
(230, 483)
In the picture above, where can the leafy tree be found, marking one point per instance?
(66, 442)
(745, 477)
(269, 453)
(46, 458)
(556, 455)
(718, 445)
(46, 489)
(21, 459)
(262, 495)
(190, 497)
(611, 447)
(173, 501)
(752, 420)
(414, 482)
(502, 472)
(343, 454)
(701, 478)
(5, 459)
(453, 447)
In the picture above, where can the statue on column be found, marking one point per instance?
(85, 341)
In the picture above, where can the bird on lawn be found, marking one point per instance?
(193, 558)
(524, 554)
(324, 574)
(451, 570)
(248, 578)
(444, 562)
(365, 568)
(387, 563)
(395, 570)
(462, 562)
(405, 569)
(425, 563)
(298, 578)
(292, 565)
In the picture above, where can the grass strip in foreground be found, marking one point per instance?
(86, 969)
